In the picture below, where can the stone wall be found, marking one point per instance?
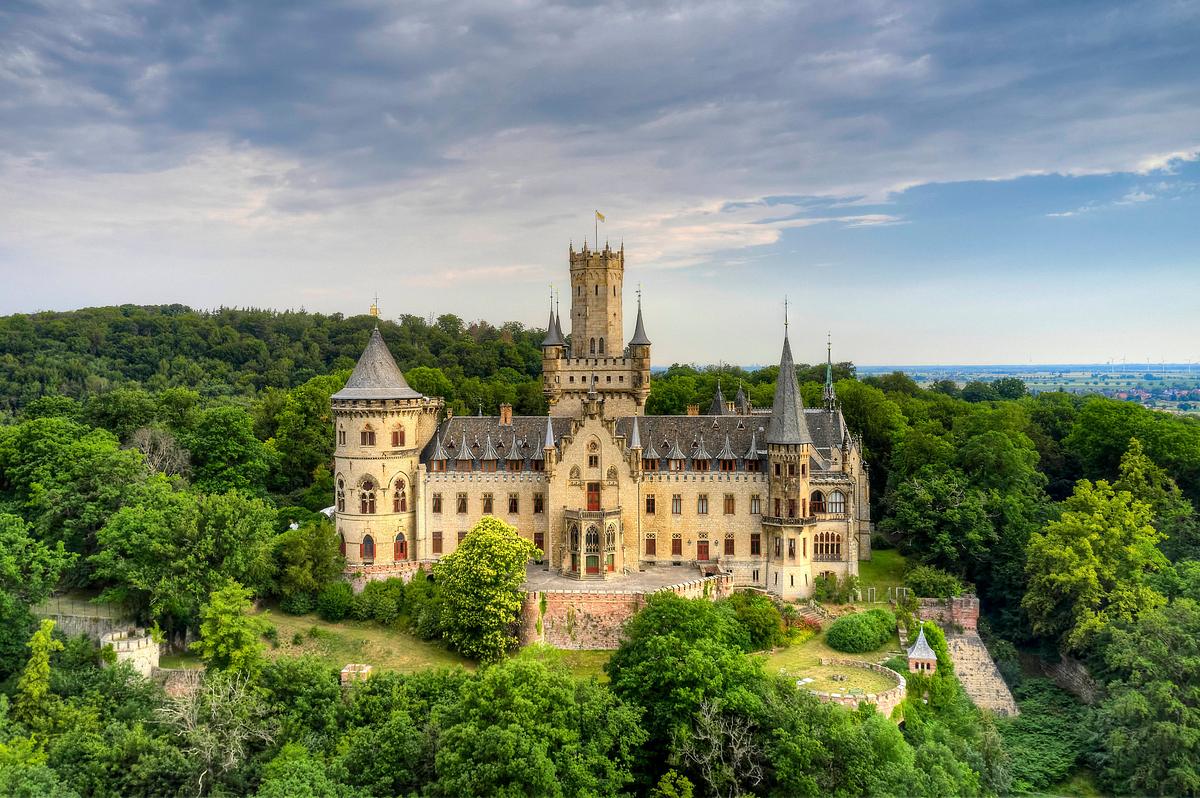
(957, 614)
(1072, 675)
(595, 619)
(136, 647)
(885, 702)
(359, 575)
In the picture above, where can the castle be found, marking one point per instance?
(774, 498)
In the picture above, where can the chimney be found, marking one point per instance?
(506, 415)
(730, 408)
(693, 410)
(449, 412)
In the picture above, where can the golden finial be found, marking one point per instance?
(375, 307)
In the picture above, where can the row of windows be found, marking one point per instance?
(366, 436)
(729, 505)
(366, 497)
(487, 466)
(489, 503)
(366, 549)
(595, 377)
(703, 550)
(835, 504)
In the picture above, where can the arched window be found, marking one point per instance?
(574, 472)
(401, 547)
(837, 502)
(817, 501)
(368, 548)
(400, 498)
(574, 538)
(366, 497)
(602, 346)
(593, 539)
(341, 544)
(341, 496)
(398, 436)
(827, 546)
(612, 473)
(610, 536)
(593, 346)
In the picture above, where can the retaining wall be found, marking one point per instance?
(595, 619)
(359, 575)
(885, 702)
(952, 614)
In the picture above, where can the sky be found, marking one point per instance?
(927, 182)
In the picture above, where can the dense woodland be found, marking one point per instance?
(157, 457)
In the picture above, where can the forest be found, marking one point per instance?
(170, 462)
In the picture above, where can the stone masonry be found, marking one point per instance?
(979, 675)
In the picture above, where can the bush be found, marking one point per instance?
(299, 603)
(862, 631)
(379, 601)
(334, 600)
(828, 590)
(760, 618)
(930, 582)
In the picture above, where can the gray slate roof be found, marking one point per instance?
(717, 406)
(921, 649)
(474, 431)
(787, 411)
(639, 330)
(376, 375)
(553, 332)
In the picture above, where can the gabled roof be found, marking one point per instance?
(787, 411)
(921, 649)
(376, 375)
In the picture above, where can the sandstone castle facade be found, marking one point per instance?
(776, 498)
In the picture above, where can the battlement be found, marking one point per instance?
(598, 259)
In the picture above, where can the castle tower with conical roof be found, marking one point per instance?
(380, 426)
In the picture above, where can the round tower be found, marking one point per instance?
(380, 427)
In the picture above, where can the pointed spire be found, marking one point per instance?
(921, 648)
(787, 424)
(439, 451)
(676, 453)
(701, 453)
(726, 452)
(830, 396)
(741, 403)
(650, 453)
(635, 438)
(376, 375)
(489, 451)
(514, 453)
(639, 330)
(538, 452)
(549, 433)
(464, 451)
(717, 408)
(752, 453)
(553, 331)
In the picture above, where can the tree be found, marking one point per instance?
(220, 725)
(162, 453)
(925, 580)
(295, 773)
(559, 736)
(302, 431)
(481, 589)
(1174, 516)
(939, 518)
(164, 557)
(307, 558)
(29, 570)
(761, 619)
(226, 455)
(1088, 568)
(230, 637)
(1150, 723)
(33, 688)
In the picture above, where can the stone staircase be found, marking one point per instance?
(981, 679)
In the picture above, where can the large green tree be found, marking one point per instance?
(481, 589)
(1089, 568)
(29, 570)
(230, 636)
(164, 557)
(225, 453)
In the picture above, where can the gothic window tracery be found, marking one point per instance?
(400, 498)
(837, 502)
(341, 495)
(817, 501)
(368, 548)
(827, 546)
(366, 497)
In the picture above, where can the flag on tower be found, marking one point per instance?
(599, 216)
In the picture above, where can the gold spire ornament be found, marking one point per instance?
(375, 307)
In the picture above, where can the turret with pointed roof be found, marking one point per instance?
(787, 426)
(553, 332)
(829, 395)
(717, 407)
(376, 375)
(741, 404)
(639, 329)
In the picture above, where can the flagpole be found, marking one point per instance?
(596, 228)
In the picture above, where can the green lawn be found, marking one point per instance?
(338, 644)
(803, 660)
(885, 569)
